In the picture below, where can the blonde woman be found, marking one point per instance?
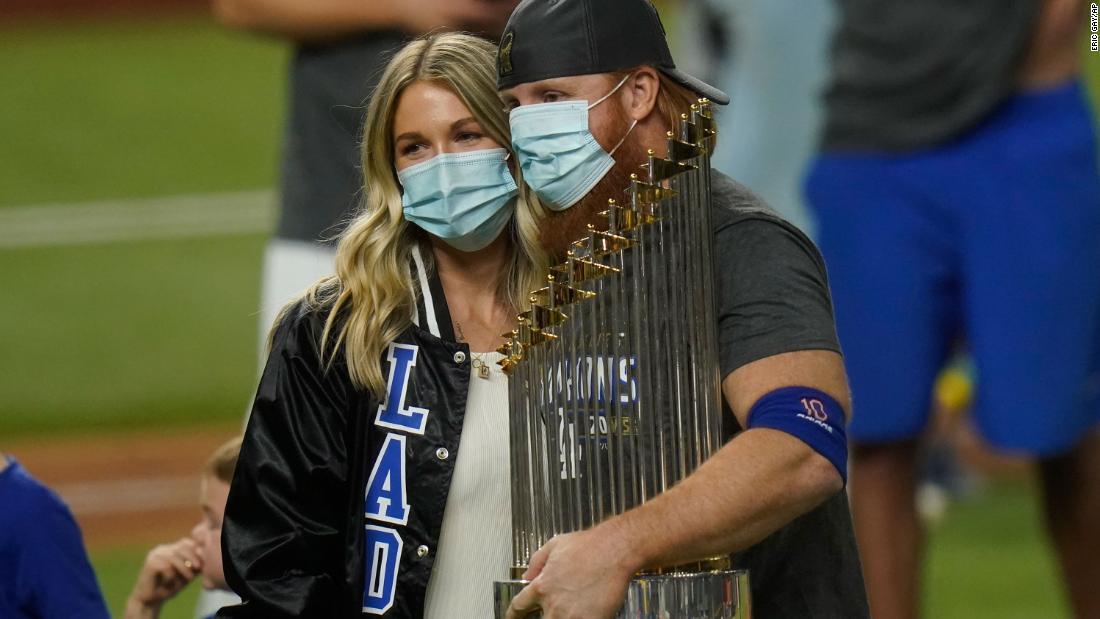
(373, 475)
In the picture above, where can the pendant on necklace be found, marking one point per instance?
(482, 368)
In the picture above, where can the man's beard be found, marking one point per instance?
(559, 229)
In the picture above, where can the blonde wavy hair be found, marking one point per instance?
(371, 298)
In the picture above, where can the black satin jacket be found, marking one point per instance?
(303, 534)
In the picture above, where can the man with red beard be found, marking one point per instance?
(592, 86)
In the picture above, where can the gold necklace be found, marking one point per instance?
(479, 364)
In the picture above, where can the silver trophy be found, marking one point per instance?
(614, 387)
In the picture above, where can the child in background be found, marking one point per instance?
(169, 568)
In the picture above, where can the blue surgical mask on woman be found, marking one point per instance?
(560, 158)
(463, 198)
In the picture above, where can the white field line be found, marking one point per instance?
(173, 217)
(130, 495)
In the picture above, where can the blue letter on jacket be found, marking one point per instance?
(382, 548)
(392, 413)
(386, 498)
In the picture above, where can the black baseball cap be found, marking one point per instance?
(559, 38)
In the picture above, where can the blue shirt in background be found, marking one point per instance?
(44, 569)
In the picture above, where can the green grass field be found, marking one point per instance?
(989, 559)
(119, 109)
(137, 333)
(142, 333)
(164, 333)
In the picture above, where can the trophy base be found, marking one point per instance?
(706, 595)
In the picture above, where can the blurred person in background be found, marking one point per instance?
(352, 496)
(340, 50)
(44, 569)
(771, 56)
(170, 567)
(957, 192)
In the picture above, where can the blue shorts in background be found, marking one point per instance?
(993, 238)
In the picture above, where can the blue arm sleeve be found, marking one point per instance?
(62, 582)
(810, 415)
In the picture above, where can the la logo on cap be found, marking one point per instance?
(504, 56)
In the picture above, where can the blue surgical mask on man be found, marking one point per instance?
(560, 158)
(462, 198)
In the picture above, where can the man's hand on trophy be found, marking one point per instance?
(581, 575)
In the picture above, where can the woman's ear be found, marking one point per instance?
(640, 92)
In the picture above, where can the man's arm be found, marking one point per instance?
(778, 477)
(756, 483)
(1054, 53)
(326, 20)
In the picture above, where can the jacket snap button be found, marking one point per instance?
(442, 453)
(460, 357)
(422, 552)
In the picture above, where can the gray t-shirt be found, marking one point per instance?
(907, 74)
(773, 297)
(321, 176)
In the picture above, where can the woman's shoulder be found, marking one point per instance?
(306, 313)
(304, 325)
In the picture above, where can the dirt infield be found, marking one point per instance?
(126, 488)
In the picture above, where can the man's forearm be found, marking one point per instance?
(755, 484)
(1053, 54)
(316, 20)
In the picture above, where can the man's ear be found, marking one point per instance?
(640, 92)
